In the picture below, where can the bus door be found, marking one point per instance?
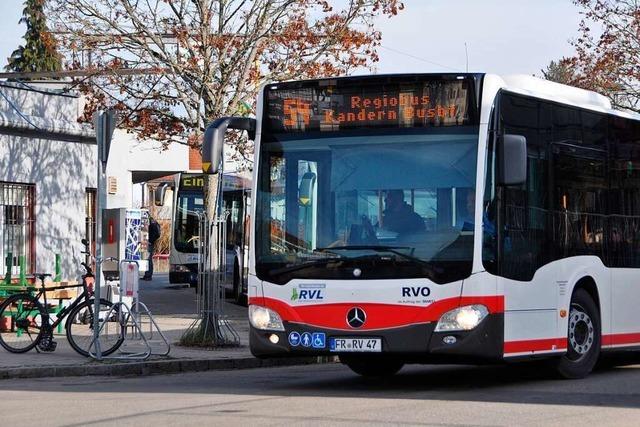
(530, 289)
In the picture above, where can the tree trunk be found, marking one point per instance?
(207, 330)
(210, 292)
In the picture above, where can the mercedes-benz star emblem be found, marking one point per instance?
(356, 317)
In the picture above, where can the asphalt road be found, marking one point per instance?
(330, 395)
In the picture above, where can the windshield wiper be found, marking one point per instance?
(432, 271)
(391, 249)
(426, 266)
(314, 263)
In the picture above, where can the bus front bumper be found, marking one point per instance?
(413, 343)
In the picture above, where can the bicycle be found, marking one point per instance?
(25, 322)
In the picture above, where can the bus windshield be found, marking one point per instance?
(350, 206)
(186, 220)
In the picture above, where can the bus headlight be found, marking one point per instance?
(265, 319)
(462, 318)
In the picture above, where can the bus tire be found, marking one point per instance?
(583, 338)
(373, 367)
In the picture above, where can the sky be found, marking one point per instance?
(502, 36)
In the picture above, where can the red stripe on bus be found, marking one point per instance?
(546, 344)
(561, 343)
(379, 316)
(620, 339)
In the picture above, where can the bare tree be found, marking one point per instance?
(609, 62)
(559, 71)
(203, 59)
(211, 56)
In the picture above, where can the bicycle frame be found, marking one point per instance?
(60, 316)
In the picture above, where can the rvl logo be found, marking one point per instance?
(314, 294)
(415, 291)
(311, 294)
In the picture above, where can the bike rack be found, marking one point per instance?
(130, 318)
(141, 309)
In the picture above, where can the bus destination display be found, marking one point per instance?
(349, 106)
(195, 182)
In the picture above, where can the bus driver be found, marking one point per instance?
(399, 216)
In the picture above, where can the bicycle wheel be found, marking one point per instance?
(80, 328)
(21, 320)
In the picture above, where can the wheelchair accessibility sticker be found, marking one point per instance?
(318, 340)
(308, 339)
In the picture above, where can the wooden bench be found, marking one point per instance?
(53, 294)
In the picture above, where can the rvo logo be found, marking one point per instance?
(415, 291)
(307, 295)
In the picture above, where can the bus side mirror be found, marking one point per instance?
(513, 160)
(159, 194)
(213, 143)
(305, 190)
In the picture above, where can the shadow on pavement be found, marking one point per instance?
(531, 383)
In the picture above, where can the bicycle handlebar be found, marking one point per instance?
(87, 267)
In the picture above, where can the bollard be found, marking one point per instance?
(58, 276)
(9, 262)
(23, 274)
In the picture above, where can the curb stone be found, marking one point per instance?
(153, 367)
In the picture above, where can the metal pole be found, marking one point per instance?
(102, 135)
(105, 122)
(101, 199)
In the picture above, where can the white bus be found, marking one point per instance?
(441, 218)
(188, 200)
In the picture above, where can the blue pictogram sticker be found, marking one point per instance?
(306, 339)
(294, 339)
(318, 340)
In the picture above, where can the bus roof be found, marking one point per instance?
(552, 91)
(519, 83)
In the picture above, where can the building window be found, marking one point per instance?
(17, 227)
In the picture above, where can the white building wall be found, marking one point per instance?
(129, 154)
(61, 172)
(37, 128)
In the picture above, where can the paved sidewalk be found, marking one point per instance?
(66, 362)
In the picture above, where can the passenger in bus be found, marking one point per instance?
(468, 220)
(399, 216)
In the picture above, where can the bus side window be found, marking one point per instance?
(623, 239)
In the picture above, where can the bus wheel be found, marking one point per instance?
(372, 367)
(583, 338)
